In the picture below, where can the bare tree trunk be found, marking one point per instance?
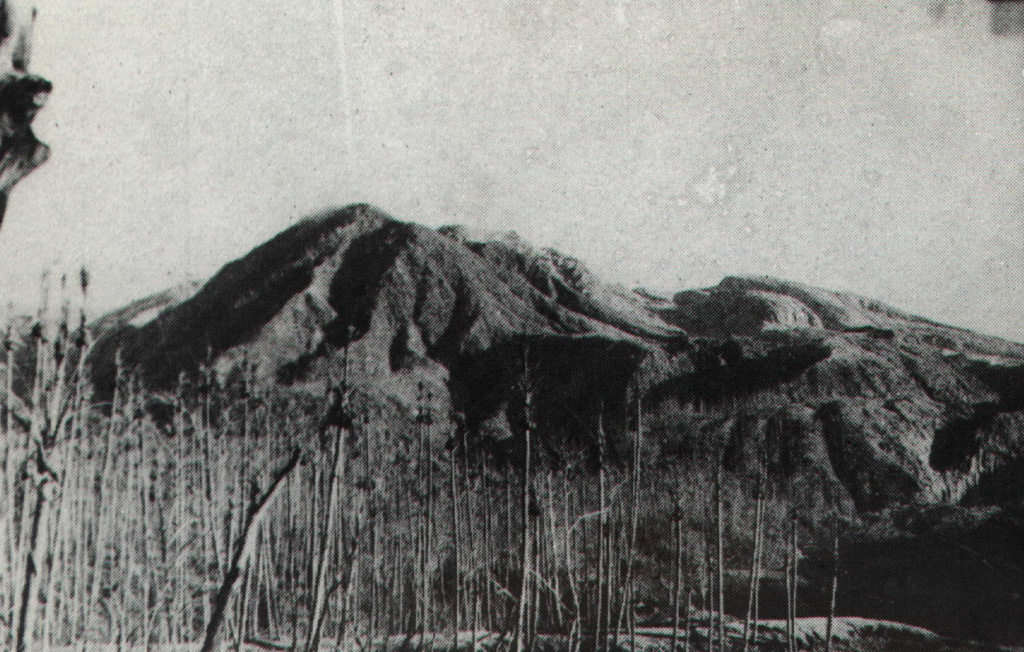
(708, 590)
(429, 531)
(490, 610)
(46, 611)
(763, 532)
(719, 551)
(146, 569)
(570, 564)
(835, 589)
(614, 558)
(8, 384)
(556, 557)
(456, 541)
(796, 579)
(677, 532)
(792, 577)
(378, 515)
(536, 576)
(243, 600)
(206, 437)
(243, 550)
(789, 590)
(527, 563)
(474, 562)
(7, 500)
(319, 606)
(424, 479)
(101, 478)
(689, 628)
(24, 624)
(602, 535)
(755, 574)
(42, 435)
(509, 511)
(635, 508)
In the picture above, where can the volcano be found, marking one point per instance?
(912, 428)
(888, 407)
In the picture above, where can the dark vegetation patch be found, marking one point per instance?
(356, 285)
(960, 581)
(723, 370)
(871, 480)
(298, 370)
(998, 486)
(873, 331)
(957, 442)
(1007, 381)
(578, 388)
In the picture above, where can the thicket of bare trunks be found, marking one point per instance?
(247, 516)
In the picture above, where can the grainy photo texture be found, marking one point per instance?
(511, 326)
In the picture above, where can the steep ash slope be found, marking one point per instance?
(850, 397)
(419, 306)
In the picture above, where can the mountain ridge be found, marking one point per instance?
(889, 406)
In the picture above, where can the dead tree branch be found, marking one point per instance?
(242, 551)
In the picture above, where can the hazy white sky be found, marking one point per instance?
(870, 146)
